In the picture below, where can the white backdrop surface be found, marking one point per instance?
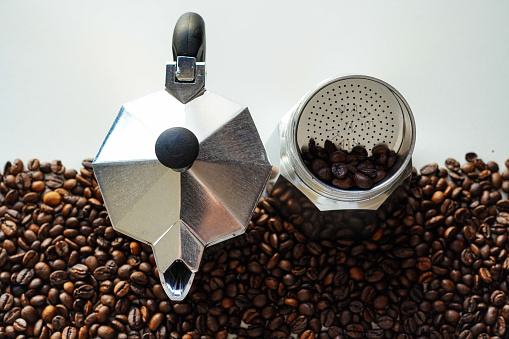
(67, 67)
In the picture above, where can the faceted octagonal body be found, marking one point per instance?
(179, 214)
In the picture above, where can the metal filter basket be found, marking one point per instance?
(349, 111)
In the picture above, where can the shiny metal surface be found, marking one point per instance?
(179, 214)
(184, 91)
(185, 69)
(350, 111)
(393, 125)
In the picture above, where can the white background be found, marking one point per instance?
(67, 67)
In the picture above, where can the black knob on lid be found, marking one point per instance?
(177, 148)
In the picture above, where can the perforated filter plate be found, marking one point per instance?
(353, 111)
(349, 111)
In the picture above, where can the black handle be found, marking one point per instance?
(177, 148)
(189, 37)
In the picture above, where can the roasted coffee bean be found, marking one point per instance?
(139, 278)
(84, 291)
(25, 276)
(11, 315)
(429, 169)
(348, 170)
(435, 265)
(362, 181)
(106, 332)
(385, 322)
(9, 228)
(58, 278)
(70, 332)
(29, 313)
(343, 183)
(6, 301)
(355, 331)
(299, 324)
(134, 318)
(30, 258)
(339, 170)
(20, 325)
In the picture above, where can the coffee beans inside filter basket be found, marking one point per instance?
(435, 266)
(348, 170)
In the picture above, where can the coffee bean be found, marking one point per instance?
(42, 270)
(429, 169)
(299, 324)
(102, 273)
(69, 332)
(490, 317)
(134, 318)
(385, 322)
(485, 275)
(9, 228)
(6, 301)
(374, 334)
(290, 274)
(368, 293)
(452, 316)
(79, 271)
(343, 183)
(500, 327)
(84, 291)
(373, 275)
(20, 325)
(11, 315)
(25, 276)
(106, 332)
(355, 331)
(306, 309)
(362, 181)
(58, 322)
(30, 258)
(139, 278)
(317, 165)
(58, 278)
(29, 313)
(54, 182)
(337, 156)
(339, 170)
(122, 288)
(348, 170)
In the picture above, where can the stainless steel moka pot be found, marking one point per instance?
(349, 111)
(182, 168)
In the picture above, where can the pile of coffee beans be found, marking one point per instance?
(348, 170)
(436, 265)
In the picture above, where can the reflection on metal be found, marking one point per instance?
(179, 214)
(318, 225)
(185, 69)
